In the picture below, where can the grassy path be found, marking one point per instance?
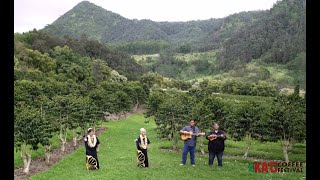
(117, 158)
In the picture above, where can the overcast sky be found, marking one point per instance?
(29, 14)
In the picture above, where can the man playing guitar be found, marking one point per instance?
(216, 139)
(189, 143)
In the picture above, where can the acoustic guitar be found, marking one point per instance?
(188, 135)
(212, 138)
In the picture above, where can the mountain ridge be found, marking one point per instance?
(276, 35)
(110, 27)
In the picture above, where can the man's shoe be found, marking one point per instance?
(182, 164)
(193, 165)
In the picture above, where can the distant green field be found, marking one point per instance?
(210, 55)
(141, 59)
(117, 158)
(186, 57)
(278, 74)
(251, 72)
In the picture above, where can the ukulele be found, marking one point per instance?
(212, 138)
(188, 135)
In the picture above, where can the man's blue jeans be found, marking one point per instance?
(187, 149)
(212, 155)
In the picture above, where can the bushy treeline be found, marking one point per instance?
(61, 91)
(278, 118)
(260, 88)
(45, 43)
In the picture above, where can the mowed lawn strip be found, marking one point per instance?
(117, 158)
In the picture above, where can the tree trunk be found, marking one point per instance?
(75, 141)
(63, 140)
(175, 139)
(26, 162)
(286, 146)
(201, 146)
(26, 157)
(285, 153)
(63, 146)
(247, 152)
(63, 143)
(47, 158)
(248, 141)
(47, 153)
(175, 142)
(76, 138)
(136, 106)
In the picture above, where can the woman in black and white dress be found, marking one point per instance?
(142, 143)
(92, 145)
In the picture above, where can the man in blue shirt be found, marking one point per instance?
(189, 144)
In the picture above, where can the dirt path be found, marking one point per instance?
(113, 117)
(37, 165)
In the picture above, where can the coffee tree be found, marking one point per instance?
(31, 129)
(171, 115)
(206, 112)
(287, 121)
(153, 102)
(63, 107)
(243, 122)
(136, 92)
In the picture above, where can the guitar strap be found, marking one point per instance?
(194, 131)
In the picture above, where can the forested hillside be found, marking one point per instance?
(275, 36)
(106, 26)
(45, 43)
(278, 37)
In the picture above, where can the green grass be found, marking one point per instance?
(117, 158)
(259, 150)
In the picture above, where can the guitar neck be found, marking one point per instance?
(197, 134)
(217, 135)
